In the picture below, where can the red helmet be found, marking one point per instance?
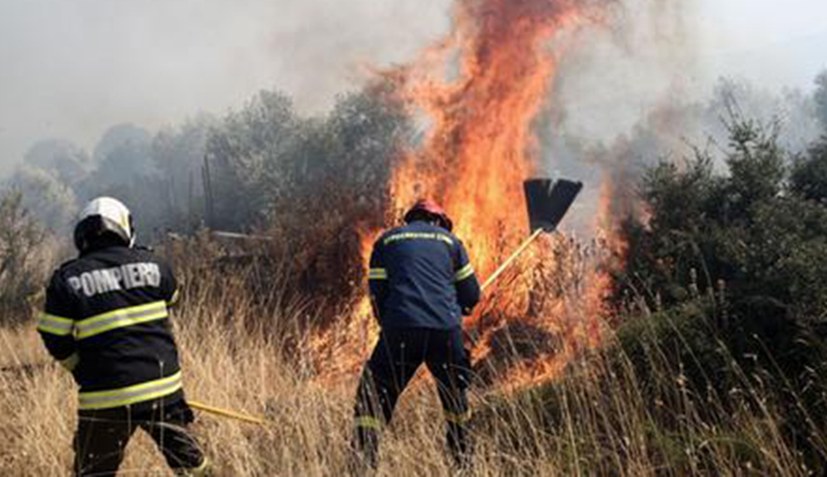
(425, 209)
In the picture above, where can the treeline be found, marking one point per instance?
(310, 184)
(258, 165)
(248, 170)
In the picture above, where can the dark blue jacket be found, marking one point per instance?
(420, 277)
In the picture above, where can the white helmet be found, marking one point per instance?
(104, 215)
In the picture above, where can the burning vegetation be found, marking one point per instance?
(479, 93)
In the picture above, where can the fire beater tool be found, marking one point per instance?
(548, 201)
(238, 416)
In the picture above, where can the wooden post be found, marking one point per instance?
(208, 196)
(191, 222)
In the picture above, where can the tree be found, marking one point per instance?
(21, 266)
(809, 174)
(50, 200)
(346, 160)
(178, 154)
(272, 169)
(122, 154)
(240, 151)
(756, 163)
(743, 228)
(349, 155)
(68, 162)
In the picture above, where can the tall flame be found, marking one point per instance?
(480, 146)
(481, 91)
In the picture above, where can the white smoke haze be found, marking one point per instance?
(615, 71)
(72, 69)
(639, 87)
(646, 65)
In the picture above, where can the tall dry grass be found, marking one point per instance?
(249, 354)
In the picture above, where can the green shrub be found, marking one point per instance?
(733, 265)
(22, 262)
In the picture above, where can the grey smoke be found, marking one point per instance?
(638, 88)
(71, 69)
(642, 86)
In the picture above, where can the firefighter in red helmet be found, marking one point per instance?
(429, 210)
(421, 283)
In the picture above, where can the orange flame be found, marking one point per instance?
(478, 150)
(480, 146)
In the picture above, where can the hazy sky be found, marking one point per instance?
(772, 42)
(71, 68)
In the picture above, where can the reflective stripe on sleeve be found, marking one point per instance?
(369, 422)
(55, 325)
(130, 394)
(377, 274)
(464, 273)
(120, 318)
(174, 300)
(202, 470)
(458, 418)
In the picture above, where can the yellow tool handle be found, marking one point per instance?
(227, 413)
(499, 271)
(474, 334)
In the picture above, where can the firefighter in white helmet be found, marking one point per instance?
(106, 319)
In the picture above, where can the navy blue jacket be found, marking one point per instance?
(420, 277)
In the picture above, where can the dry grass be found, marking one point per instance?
(595, 421)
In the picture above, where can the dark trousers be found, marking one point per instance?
(102, 436)
(393, 363)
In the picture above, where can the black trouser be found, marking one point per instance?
(393, 363)
(102, 436)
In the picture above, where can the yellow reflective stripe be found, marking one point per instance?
(120, 318)
(201, 471)
(130, 394)
(56, 325)
(377, 274)
(458, 418)
(70, 362)
(418, 235)
(464, 273)
(369, 422)
(174, 300)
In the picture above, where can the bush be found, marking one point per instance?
(735, 260)
(752, 232)
(312, 185)
(809, 175)
(23, 260)
(46, 197)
